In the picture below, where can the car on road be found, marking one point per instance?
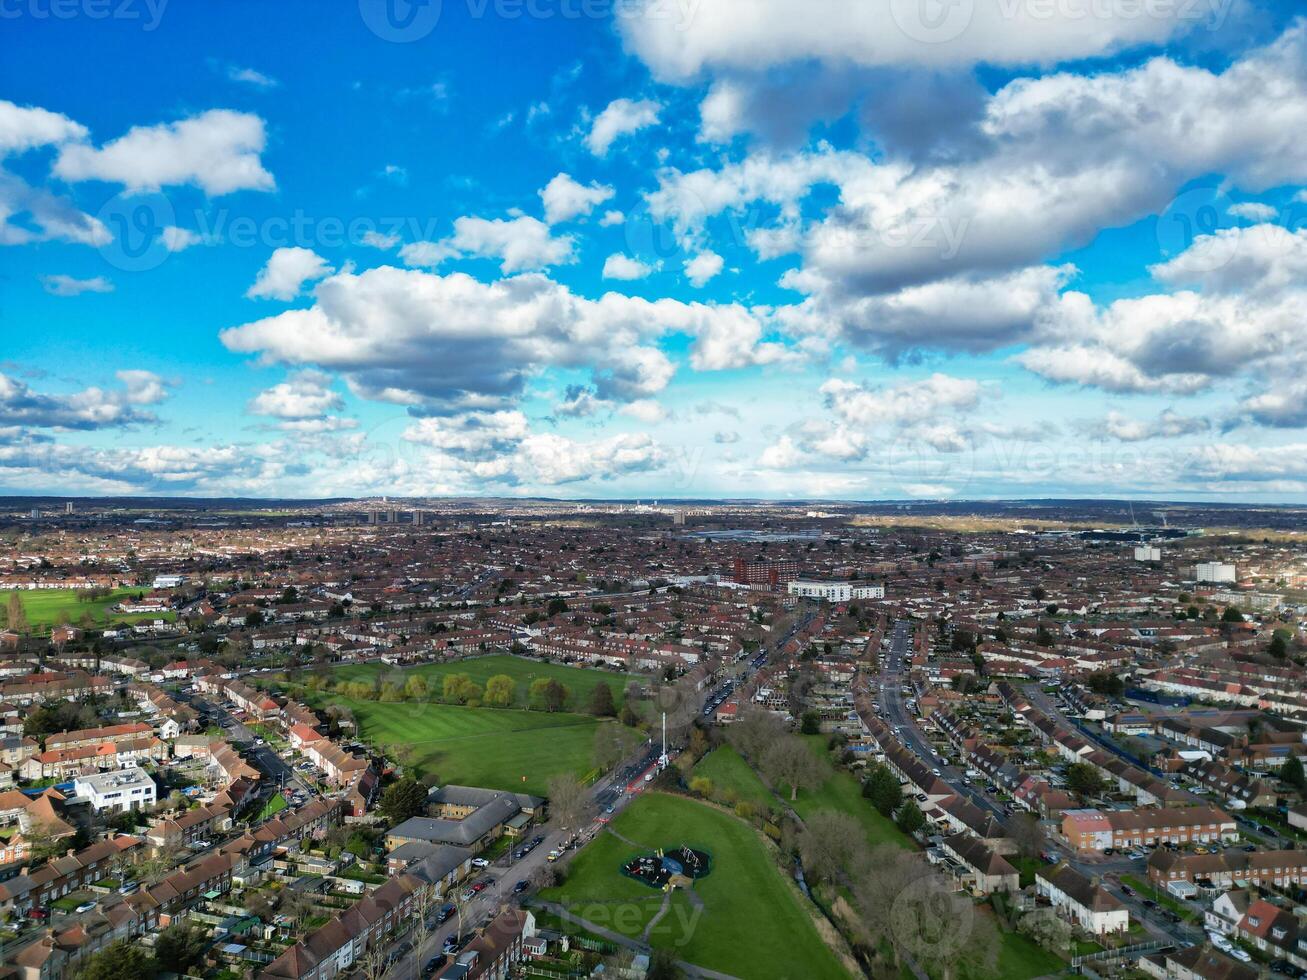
(452, 944)
(434, 964)
(84, 907)
(479, 886)
(446, 913)
(480, 863)
(1127, 891)
(521, 886)
(38, 913)
(467, 895)
(127, 887)
(199, 845)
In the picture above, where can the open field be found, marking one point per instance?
(580, 681)
(44, 607)
(751, 924)
(499, 748)
(730, 773)
(843, 792)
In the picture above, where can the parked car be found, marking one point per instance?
(38, 913)
(446, 912)
(434, 964)
(521, 886)
(480, 863)
(84, 907)
(127, 887)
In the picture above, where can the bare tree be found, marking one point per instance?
(789, 762)
(1025, 830)
(904, 903)
(569, 800)
(613, 742)
(374, 959)
(830, 842)
(754, 731)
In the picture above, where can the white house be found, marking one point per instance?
(125, 789)
(1086, 904)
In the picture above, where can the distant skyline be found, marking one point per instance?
(654, 249)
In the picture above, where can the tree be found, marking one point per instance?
(1292, 773)
(403, 799)
(828, 844)
(612, 744)
(569, 800)
(754, 730)
(121, 961)
(790, 763)
(883, 789)
(1279, 647)
(415, 688)
(555, 607)
(1047, 929)
(1084, 780)
(662, 966)
(810, 723)
(908, 908)
(1106, 683)
(460, 689)
(501, 691)
(1232, 615)
(910, 819)
(547, 694)
(16, 615)
(1025, 830)
(601, 701)
(179, 947)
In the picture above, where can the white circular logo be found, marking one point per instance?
(136, 223)
(932, 21)
(1192, 224)
(400, 21)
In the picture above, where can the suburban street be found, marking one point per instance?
(909, 731)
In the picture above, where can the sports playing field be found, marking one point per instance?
(44, 607)
(750, 923)
(499, 748)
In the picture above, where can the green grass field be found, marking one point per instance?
(490, 747)
(751, 923)
(273, 807)
(580, 681)
(843, 792)
(44, 607)
(729, 772)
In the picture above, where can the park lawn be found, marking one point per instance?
(43, 607)
(1018, 959)
(580, 681)
(752, 923)
(843, 792)
(728, 771)
(496, 748)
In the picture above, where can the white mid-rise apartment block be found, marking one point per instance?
(834, 591)
(1148, 552)
(119, 791)
(1216, 572)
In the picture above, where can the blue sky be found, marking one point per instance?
(980, 248)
